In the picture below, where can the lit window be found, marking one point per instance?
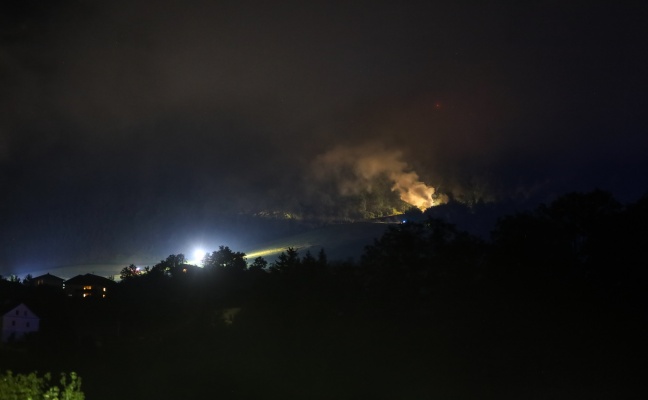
(104, 289)
(184, 270)
(87, 288)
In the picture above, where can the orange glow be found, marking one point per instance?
(371, 162)
(415, 192)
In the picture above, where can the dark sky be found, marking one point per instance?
(126, 127)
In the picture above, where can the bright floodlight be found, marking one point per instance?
(198, 255)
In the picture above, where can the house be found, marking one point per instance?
(48, 280)
(17, 322)
(89, 285)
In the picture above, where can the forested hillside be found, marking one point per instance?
(552, 305)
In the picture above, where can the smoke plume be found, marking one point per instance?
(357, 169)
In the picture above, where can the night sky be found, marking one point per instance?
(131, 129)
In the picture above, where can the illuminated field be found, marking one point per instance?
(265, 253)
(339, 241)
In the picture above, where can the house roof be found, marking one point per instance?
(48, 276)
(89, 279)
(8, 308)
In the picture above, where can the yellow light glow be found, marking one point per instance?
(265, 252)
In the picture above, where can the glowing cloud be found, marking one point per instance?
(355, 169)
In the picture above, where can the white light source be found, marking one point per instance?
(198, 255)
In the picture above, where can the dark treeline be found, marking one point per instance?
(552, 305)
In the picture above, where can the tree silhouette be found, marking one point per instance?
(225, 258)
(556, 241)
(322, 259)
(29, 280)
(259, 264)
(413, 260)
(287, 261)
(129, 272)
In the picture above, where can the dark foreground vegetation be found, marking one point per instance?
(553, 306)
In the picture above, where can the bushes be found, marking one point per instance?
(35, 387)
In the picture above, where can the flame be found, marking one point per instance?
(354, 169)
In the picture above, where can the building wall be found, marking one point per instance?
(18, 322)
